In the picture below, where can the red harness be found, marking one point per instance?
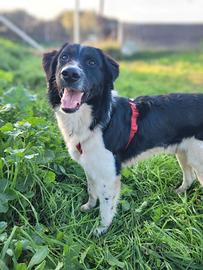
(78, 146)
(133, 129)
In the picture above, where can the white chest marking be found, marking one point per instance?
(97, 161)
(75, 126)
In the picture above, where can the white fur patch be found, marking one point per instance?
(194, 151)
(151, 152)
(96, 160)
(75, 127)
(114, 93)
(72, 64)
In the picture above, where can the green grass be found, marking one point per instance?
(41, 188)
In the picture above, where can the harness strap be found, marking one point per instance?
(78, 146)
(134, 127)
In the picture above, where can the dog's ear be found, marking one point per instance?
(113, 67)
(49, 59)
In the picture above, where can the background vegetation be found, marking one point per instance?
(41, 188)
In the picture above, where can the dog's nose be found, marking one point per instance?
(70, 74)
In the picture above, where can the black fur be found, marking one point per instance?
(163, 120)
(49, 63)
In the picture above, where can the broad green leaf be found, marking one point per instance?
(31, 121)
(21, 266)
(3, 225)
(26, 244)
(15, 133)
(36, 121)
(16, 152)
(39, 256)
(6, 127)
(6, 75)
(19, 96)
(9, 195)
(157, 214)
(49, 156)
(60, 235)
(50, 177)
(1, 164)
(9, 252)
(3, 237)
(3, 207)
(3, 184)
(18, 249)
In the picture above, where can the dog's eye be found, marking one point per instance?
(91, 62)
(64, 57)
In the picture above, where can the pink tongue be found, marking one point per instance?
(71, 99)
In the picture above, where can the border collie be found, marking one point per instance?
(104, 132)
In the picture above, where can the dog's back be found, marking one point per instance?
(179, 114)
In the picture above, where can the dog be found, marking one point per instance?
(104, 132)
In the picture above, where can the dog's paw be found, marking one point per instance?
(100, 230)
(180, 190)
(85, 207)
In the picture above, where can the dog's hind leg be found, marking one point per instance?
(200, 177)
(188, 173)
(195, 158)
(92, 200)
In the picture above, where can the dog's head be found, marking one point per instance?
(77, 74)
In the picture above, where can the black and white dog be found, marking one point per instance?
(103, 132)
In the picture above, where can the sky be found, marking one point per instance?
(148, 11)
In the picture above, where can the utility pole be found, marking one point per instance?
(76, 30)
(100, 19)
(101, 8)
(120, 33)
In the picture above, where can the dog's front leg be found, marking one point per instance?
(108, 198)
(92, 200)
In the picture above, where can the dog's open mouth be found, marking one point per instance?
(71, 100)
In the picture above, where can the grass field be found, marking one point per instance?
(41, 188)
